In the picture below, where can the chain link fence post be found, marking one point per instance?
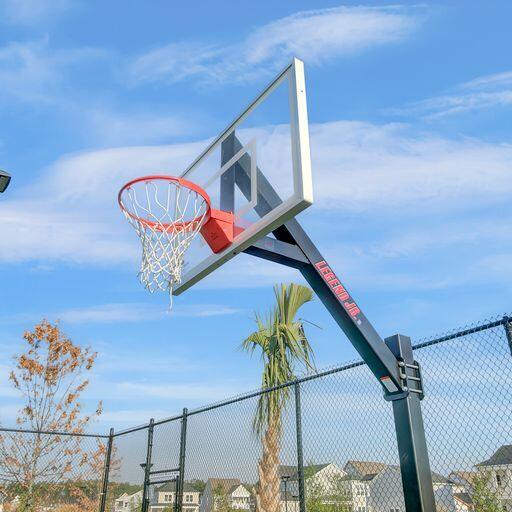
(507, 325)
(300, 453)
(147, 467)
(106, 471)
(181, 475)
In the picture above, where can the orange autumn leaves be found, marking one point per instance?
(50, 376)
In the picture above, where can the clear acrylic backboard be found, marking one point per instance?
(265, 146)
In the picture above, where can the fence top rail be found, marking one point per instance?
(465, 332)
(53, 432)
(504, 320)
(330, 371)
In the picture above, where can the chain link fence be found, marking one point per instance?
(42, 471)
(333, 447)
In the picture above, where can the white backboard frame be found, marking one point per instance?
(301, 164)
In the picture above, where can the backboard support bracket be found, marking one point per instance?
(293, 247)
(277, 251)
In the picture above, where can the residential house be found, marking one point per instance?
(499, 469)
(463, 502)
(363, 468)
(164, 497)
(376, 486)
(322, 481)
(359, 475)
(223, 494)
(464, 478)
(128, 502)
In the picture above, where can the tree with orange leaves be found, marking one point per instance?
(50, 375)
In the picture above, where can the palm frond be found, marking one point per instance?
(283, 344)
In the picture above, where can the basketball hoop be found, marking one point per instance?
(167, 214)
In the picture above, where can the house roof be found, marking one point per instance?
(381, 466)
(502, 456)
(291, 471)
(367, 467)
(468, 476)
(464, 497)
(226, 485)
(440, 479)
(437, 478)
(171, 487)
(357, 478)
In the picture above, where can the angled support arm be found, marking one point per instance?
(392, 362)
(306, 257)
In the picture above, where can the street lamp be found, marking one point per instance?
(285, 479)
(5, 178)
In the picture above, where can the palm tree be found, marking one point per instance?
(281, 339)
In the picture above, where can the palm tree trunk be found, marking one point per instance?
(268, 496)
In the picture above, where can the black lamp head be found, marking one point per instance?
(5, 178)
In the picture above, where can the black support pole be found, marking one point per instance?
(410, 436)
(147, 467)
(300, 454)
(106, 471)
(181, 475)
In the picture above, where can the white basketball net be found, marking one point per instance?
(167, 216)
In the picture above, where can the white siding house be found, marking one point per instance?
(165, 495)
(386, 493)
(499, 469)
(466, 479)
(128, 502)
(324, 481)
(222, 493)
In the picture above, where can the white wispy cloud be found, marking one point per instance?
(130, 417)
(111, 128)
(51, 78)
(453, 232)
(363, 167)
(485, 92)
(125, 312)
(198, 392)
(495, 80)
(70, 214)
(28, 12)
(111, 313)
(316, 36)
(34, 71)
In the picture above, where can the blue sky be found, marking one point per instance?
(411, 145)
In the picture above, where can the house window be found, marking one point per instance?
(394, 510)
(501, 479)
(168, 497)
(189, 498)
